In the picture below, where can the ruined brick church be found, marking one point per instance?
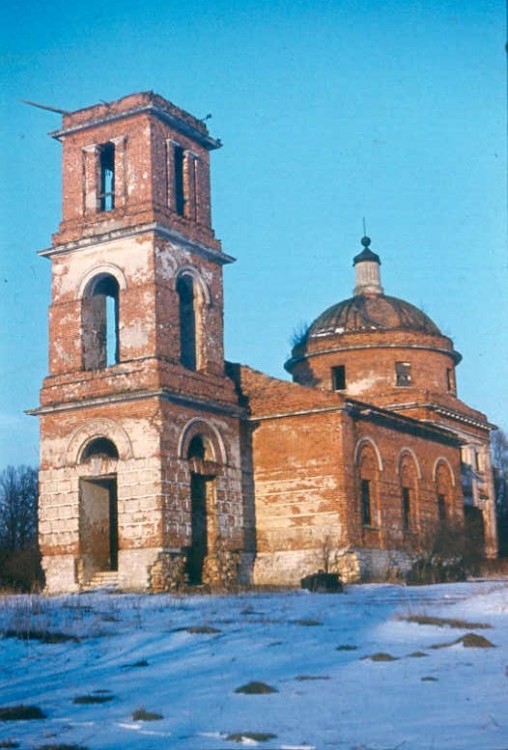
(162, 463)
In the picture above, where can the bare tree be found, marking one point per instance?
(18, 507)
(499, 447)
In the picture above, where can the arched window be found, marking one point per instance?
(102, 447)
(188, 318)
(444, 492)
(100, 316)
(368, 480)
(408, 491)
(196, 448)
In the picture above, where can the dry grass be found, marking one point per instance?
(141, 714)
(382, 656)
(445, 622)
(44, 636)
(256, 688)
(470, 640)
(201, 629)
(93, 699)
(21, 713)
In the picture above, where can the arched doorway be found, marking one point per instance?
(98, 508)
(202, 497)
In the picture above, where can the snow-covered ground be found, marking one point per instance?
(315, 650)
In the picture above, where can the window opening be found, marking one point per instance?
(196, 448)
(450, 379)
(366, 506)
(101, 341)
(179, 159)
(339, 377)
(187, 313)
(406, 508)
(403, 373)
(441, 507)
(107, 177)
(100, 447)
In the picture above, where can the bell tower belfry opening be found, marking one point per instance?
(135, 354)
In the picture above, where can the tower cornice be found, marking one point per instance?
(200, 248)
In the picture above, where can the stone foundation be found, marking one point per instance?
(354, 565)
(168, 572)
(61, 574)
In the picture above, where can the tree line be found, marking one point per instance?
(19, 554)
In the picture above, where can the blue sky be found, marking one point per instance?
(329, 110)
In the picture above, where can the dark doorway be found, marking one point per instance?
(99, 524)
(199, 544)
(475, 529)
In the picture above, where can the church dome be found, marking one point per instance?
(371, 313)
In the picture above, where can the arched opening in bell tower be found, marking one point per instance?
(100, 323)
(188, 308)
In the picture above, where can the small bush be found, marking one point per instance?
(21, 570)
(140, 714)
(256, 688)
(253, 736)
(21, 713)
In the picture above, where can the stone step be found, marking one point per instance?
(107, 579)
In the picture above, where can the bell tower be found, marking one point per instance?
(136, 360)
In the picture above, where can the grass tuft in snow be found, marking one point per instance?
(21, 713)
(61, 747)
(94, 698)
(136, 664)
(44, 636)
(256, 688)
(445, 622)
(200, 629)
(307, 677)
(427, 678)
(252, 736)
(345, 647)
(470, 640)
(141, 714)
(307, 623)
(8, 743)
(382, 656)
(417, 655)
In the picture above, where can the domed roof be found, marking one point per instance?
(371, 313)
